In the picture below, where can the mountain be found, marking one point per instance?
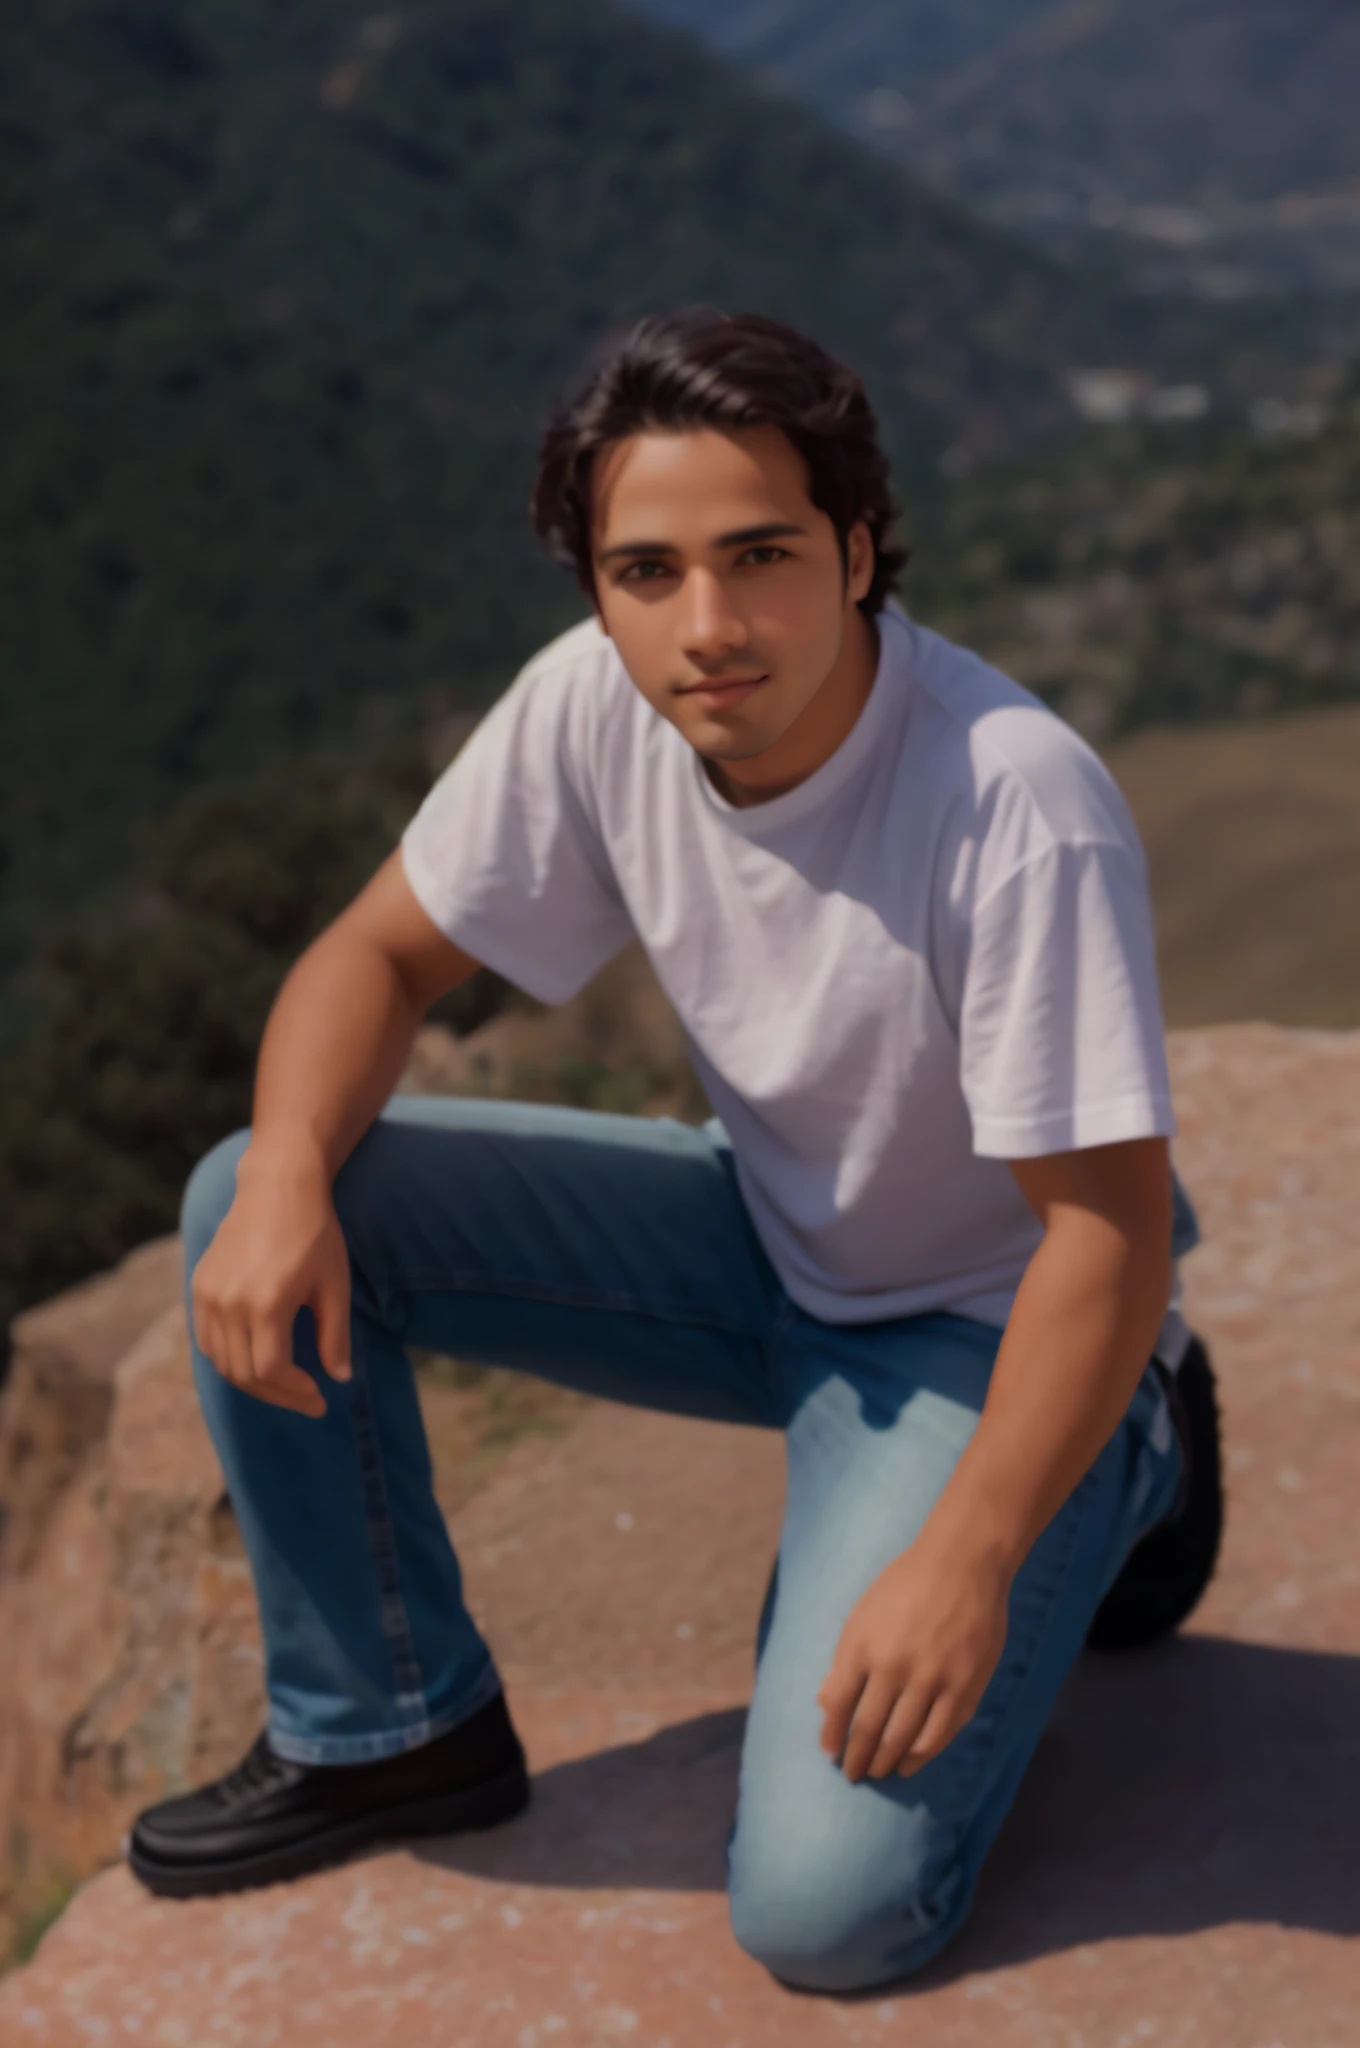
(289, 289)
(1142, 575)
(840, 56)
(1209, 143)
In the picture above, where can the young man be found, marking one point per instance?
(902, 913)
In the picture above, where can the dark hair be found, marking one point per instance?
(702, 368)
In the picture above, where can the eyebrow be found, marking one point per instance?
(742, 537)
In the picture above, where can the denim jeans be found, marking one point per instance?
(615, 1255)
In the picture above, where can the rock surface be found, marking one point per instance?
(59, 1388)
(141, 1672)
(1180, 1867)
(141, 1661)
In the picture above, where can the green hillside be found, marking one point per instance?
(149, 1024)
(1135, 576)
(288, 290)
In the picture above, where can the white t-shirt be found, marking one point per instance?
(932, 956)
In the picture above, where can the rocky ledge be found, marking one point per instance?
(1180, 1866)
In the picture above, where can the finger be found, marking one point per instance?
(838, 1699)
(275, 1375)
(936, 1732)
(201, 1323)
(232, 1355)
(330, 1311)
(233, 1348)
(208, 1336)
(902, 1728)
(285, 1397)
(876, 1703)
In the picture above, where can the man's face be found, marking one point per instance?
(721, 584)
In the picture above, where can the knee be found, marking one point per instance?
(802, 1937)
(820, 1928)
(208, 1195)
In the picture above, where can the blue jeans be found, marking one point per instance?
(616, 1255)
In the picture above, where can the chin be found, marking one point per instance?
(723, 746)
(730, 739)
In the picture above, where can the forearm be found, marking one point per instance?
(1078, 1340)
(341, 1028)
(337, 1039)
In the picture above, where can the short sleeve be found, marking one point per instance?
(504, 854)
(1060, 1028)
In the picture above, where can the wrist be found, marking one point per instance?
(976, 1535)
(287, 1155)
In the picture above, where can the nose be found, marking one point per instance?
(709, 627)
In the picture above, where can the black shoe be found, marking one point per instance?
(270, 1819)
(1165, 1575)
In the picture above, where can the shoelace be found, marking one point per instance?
(254, 1771)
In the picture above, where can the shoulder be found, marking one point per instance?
(572, 694)
(1026, 779)
(582, 658)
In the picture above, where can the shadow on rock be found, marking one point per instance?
(652, 1815)
(1199, 1784)
(1203, 1783)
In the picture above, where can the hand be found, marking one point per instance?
(913, 1660)
(279, 1249)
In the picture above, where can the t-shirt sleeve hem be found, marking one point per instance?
(1101, 1123)
(421, 878)
(462, 928)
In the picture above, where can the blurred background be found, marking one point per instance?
(288, 287)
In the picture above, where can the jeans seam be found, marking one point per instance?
(1020, 1665)
(394, 1621)
(950, 1864)
(555, 1297)
(946, 1883)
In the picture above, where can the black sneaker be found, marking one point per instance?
(270, 1819)
(1165, 1575)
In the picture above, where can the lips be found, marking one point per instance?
(722, 690)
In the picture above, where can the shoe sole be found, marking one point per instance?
(481, 1806)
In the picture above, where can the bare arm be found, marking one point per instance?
(341, 1028)
(337, 1039)
(917, 1651)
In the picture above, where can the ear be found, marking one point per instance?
(860, 562)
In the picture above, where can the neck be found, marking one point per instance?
(823, 724)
